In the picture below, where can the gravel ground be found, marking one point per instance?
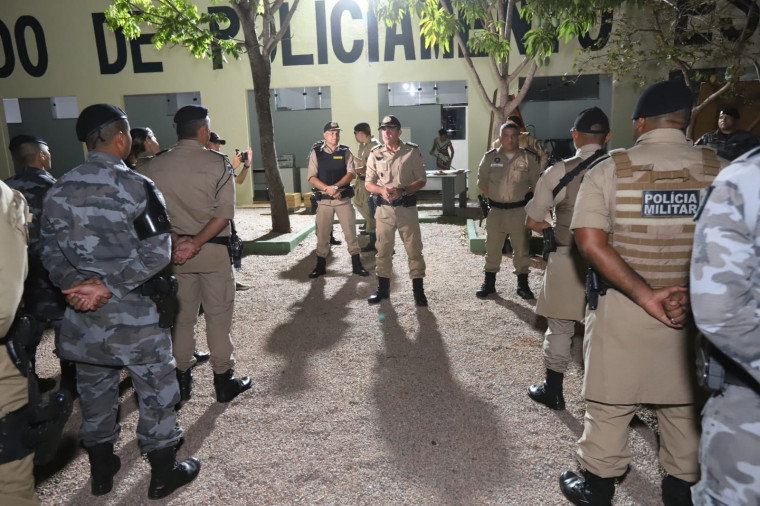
(360, 404)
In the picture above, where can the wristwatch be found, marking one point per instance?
(336, 187)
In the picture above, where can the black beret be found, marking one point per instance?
(18, 140)
(95, 117)
(592, 121)
(390, 121)
(190, 113)
(662, 98)
(514, 118)
(730, 111)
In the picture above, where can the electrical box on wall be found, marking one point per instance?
(64, 107)
(176, 101)
(12, 110)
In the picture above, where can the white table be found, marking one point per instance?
(453, 183)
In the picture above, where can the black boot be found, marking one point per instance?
(43, 384)
(334, 241)
(588, 489)
(185, 380)
(383, 291)
(371, 244)
(549, 393)
(419, 292)
(104, 465)
(201, 356)
(69, 377)
(523, 289)
(676, 492)
(227, 387)
(488, 287)
(320, 268)
(167, 475)
(358, 268)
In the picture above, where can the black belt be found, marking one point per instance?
(405, 201)
(737, 376)
(361, 177)
(507, 205)
(224, 240)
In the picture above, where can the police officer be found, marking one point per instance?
(104, 237)
(144, 147)
(16, 474)
(200, 198)
(725, 297)
(729, 140)
(633, 224)
(561, 298)
(395, 172)
(331, 169)
(506, 175)
(43, 300)
(363, 135)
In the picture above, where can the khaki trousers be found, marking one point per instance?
(326, 211)
(603, 447)
(557, 342)
(205, 279)
(17, 483)
(503, 223)
(406, 221)
(361, 195)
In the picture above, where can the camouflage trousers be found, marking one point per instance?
(729, 453)
(157, 392)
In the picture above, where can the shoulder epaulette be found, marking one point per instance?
(412, 144)
(491, 151)
(163, 151)
(317, 144)
(376, 147)
(217, 153)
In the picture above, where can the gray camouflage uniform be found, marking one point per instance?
(725, 297)
(87, 231)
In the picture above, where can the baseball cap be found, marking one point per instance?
(730, 111)
(95, 117)
(214, 137)
(662, 98)
(592, 121)
(331, 125)
(390, 121)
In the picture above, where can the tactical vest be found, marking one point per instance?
(654, 211)
(564, 210)
(331, 167)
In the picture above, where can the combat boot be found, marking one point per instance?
(104, 465)
(320, 268)
(523, 289)
(358, 268)
(549, 393)
(587, 490)
(488, 287)
(676, 492)
(167, 475)
(383, 291)
(371, 244)
(227, 387)
(185, 380)
(334, 241)
(419, 293)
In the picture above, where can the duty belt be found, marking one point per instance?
(361, 177)
(737, 376)
(405, 201)
(507, 205)
(224, 240)
(346, 192)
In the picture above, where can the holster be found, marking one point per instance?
(595, 288)
(313, 199)
(21, 342)
(372, 203)
(484, 207)
(715, 370)
(162, 290)
(550, 243)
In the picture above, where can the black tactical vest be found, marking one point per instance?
(331, 167)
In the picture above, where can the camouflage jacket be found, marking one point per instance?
(725, 282)
(88, 231)
(41, 297)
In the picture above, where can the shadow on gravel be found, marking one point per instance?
(440, 434)
(302, 337)
(528, 315)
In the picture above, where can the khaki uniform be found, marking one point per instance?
(16, 477)
(508, 181)
(198, 187)
(328, 208)
(401, 168)
(630, 357)
(561, 299)
(361, 195)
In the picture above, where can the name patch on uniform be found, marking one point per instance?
(338, 157)
(666, 203)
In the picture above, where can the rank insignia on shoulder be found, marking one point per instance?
(376, 147)
(491, 151)
(411, 144)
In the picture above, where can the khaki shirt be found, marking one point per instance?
(312, 166)
(196, 184)
(508, 180)
(401, 168)
(363, 153)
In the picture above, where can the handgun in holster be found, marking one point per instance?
(162, 290)
(484, 207)
(595, 288)
(372, 203)
(313, 200)
(550, 243)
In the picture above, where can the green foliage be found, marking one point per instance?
(177, 22)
